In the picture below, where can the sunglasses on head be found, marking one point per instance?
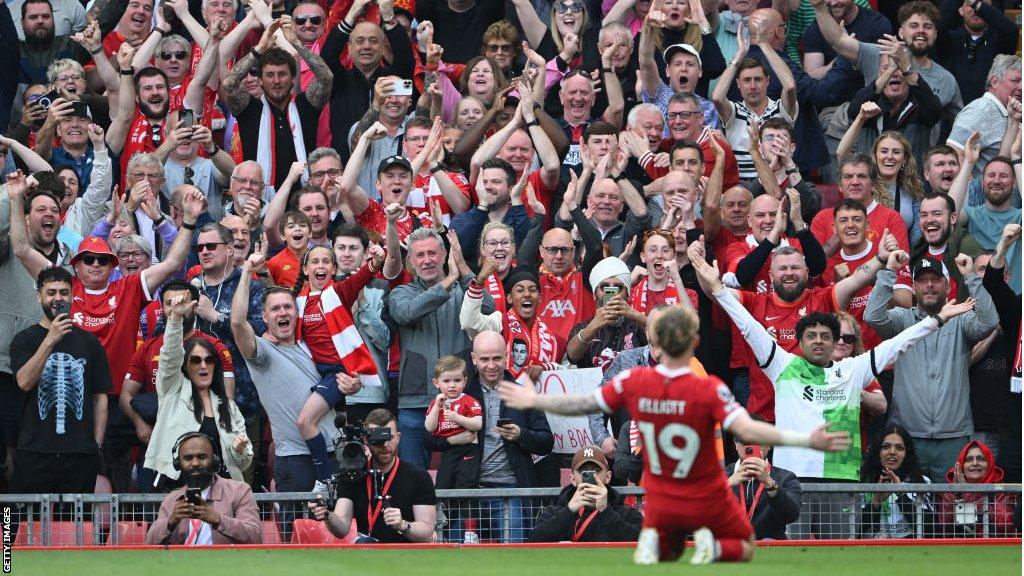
(314, 20)
(848, 338)
(198, 360)
(177, 54)
(101, 259)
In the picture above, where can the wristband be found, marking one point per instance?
(881, 260)
(608, 70)
(705, 29)
(187, 226)
(215, 150)
(790, 438)
(1015, 162)
(255, 53)
(938, 319)
(619, 177)
(791, 171)
(127, 71)
(532, 123)
(160, 221)
(161, 32)
(96, 51)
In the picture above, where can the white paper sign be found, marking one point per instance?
(571, 432)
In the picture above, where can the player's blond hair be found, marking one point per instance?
(675, 330)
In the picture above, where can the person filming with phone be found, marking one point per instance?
(588, 509)
(616, 326)
(769, 495)
(207, 509)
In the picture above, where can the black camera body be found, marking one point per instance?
(351, 451)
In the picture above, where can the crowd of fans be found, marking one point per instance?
(222, 224)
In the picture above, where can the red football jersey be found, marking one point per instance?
(842, 266)
(676, 413)
(375, 218)
(112, 316)
(879, 218)
(315, 333)
(779, 318)
(425, 189)
(146, 360)
(464, 405)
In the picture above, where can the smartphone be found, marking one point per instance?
(194, 495)
(589, 477)
(402, 88)
(504, 421)
(62, 307)
(80, 109)
(187, 118)
(611, 292)
(752, 451)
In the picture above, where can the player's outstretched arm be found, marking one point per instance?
(753, 432)
(524, 397)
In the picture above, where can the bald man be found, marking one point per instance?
(565, 297)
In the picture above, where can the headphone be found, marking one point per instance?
(188, 436)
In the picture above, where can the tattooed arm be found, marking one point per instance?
(318, 92)
(234, 94)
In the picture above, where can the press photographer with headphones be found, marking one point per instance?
(394, 505)
(191, 395)
(207, 509)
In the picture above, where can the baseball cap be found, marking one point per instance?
(393, 160)
(676, 48)
(589, 454)
(929, 265)
(94, 245)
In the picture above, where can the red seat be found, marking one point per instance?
(129, 534)
(308, 531)
(61, 534)
(271, 535)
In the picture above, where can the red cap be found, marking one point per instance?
(94, 245)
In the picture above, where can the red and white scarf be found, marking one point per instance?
(639, 298)
(266, 147)
(354, 354)
(541, 346)
(496, 289)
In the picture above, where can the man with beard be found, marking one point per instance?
(615, 326)
(64, 372)
(404, 509)
(391, 111)
(141, 375)
(68, 17)
(986, 222)
(41, 47)
(279, 128)
(811, 389)
(790, 300)
(494, 190)
(973, 34)
(931, 391)
(942, 240)
(16, 289)
(224, 512)
(72, 127)
(996, 115)
(353, 86)
(918, 24)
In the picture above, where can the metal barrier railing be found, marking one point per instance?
(834, 511)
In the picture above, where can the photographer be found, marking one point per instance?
(397, 508)
(588, 509)
(770, 496)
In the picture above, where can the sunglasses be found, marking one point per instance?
(199, 360)
(563, 8)
(177, 55)
(684, 115)
(189, 174)
(848, 338)
(90, 259)
(501, 48)
(209, 246)
(314, 20)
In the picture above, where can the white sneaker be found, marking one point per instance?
(647, 552)
(703, 547)
(320, 488)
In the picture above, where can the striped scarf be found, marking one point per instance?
(354, 354)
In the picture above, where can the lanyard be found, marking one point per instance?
(373, 512)
(753, 504)
(583, 524)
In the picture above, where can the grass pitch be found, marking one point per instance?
(777, 561)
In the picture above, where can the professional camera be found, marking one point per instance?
(351, 451)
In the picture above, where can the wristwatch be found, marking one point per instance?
(402, 531)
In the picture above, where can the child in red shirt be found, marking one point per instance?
(454, 412)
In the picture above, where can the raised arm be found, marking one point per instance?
(847, 145)
(241, 329)
(91, 39)
(551, 163)
(18, 186)
(33, 162)
(616, 101)
(532, 25)
(971, 153)
(720, 96)
(205, 74)
(650, 78)
(195, 29)
(121, 118)
(865, 274)
(194, 204)
(356, 197)
(845, 45)
(145, 51)
(490, 147)
(778, 65)
(234, 94)
(712, 202)
(279, 203)
(318, 92)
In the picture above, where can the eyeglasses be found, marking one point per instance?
(564, 250)
(209, 246)
(199, 360)
(177, 55)
(70, 78)
(98, 259)
(684, 115)
(132, 255)
(501, 48)
(848, 338)
(331, 172)
(314, 20)
(496, 243)
(249, 182)
(563, 8)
